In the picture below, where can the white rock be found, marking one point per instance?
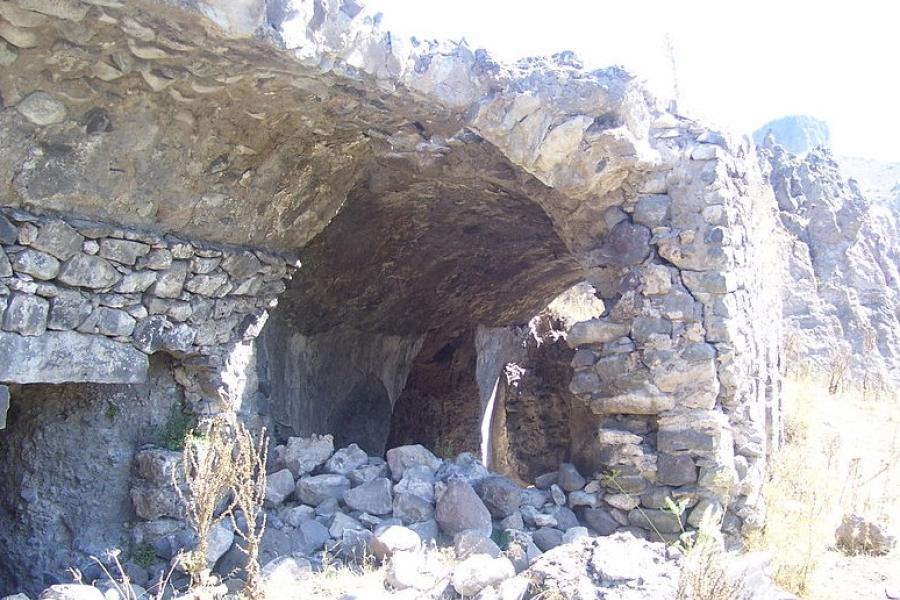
(480, 571)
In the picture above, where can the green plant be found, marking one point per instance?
(175, 431)
(112, 411)
(143, 555)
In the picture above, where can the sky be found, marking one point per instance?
(738, 64)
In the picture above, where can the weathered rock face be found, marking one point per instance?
(68, 452)
(841, 278)
(438, 201)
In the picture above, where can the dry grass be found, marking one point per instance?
(840, 455)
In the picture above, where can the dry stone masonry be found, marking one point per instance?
(534, 263)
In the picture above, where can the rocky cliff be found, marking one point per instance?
(841, 280)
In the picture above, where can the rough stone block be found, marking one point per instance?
(83, 270)
(39, 265)
(26, 314)
(595, 331)
(59, 239)
(64, 356)
(108, 321)
(5, 266)
(123, 251)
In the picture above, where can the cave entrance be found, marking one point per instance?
(376, 333)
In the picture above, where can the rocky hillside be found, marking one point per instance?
(795, 133)
(841, 282)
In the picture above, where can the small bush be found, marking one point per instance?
(143, 555)
(176, 429)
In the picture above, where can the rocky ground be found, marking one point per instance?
(420, 526)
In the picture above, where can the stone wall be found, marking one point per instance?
(89, 302)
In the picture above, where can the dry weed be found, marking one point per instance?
(840, 455)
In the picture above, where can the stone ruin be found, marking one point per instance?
(281, 210)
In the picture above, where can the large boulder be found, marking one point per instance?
(857, 535)
(501, 496)
(480, 571)
(373, 497)
(303, 454)
(460, 508)
(403, 457)
(316, 489)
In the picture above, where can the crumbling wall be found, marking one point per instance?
(431, 194)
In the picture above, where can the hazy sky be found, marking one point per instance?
(739, 64)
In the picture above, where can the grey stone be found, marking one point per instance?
(137, 281)
(644, 327)
(575, 533)
(466, 467)
(68, 310)
(5, 266)
(203, 265)
(149, 334)
(59, 239)
(108, 321)
(545, 480)
(64, 356)
(467, 543)
(37, 264)
(392, 539)
(600, 521)
(8, 232)
(346, 460)
(206, 285)
(595, 331)
(123, 251)
(340, 523)
(460, 508)
(373, 497)
(94, 272)
(627, 244)
(241, 265)
(4, 405)
(178, 338)
(315, 489)
(681, 440)
(478, 572)
(501, 496)
(279, 486)
(661, 521)
(418, 480)
(303, 454)
(311, 536)
(158, 259)
(410, 508)
(547, 538)
(221, 536)
(71, 591)
(26, 314)
(569, 479)
(403, 457)
(675, 470)
(706, 508)
(565, 518)
(428, 531)
(557, 494)
(652, 210)
(170, 283)
(368, 473)
(42, 109)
